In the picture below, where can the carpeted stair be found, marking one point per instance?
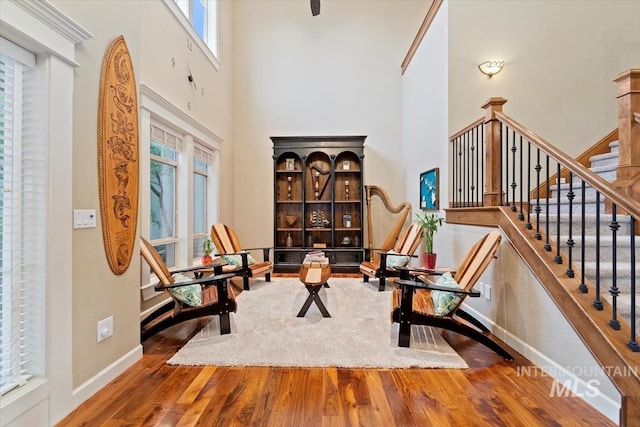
(605, 166)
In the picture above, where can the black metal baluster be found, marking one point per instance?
(465, 167)
(582, 287)
(460, 173)
(547, 246)
(596, 302)
(521, 215)
(477, 179)
(633, 344)
(614, 291)
(570, 241)
(452, 175)
(558, 258)
(501, 166)
(452, 172)
(482, 177)
(471, 175)
(538, 208)
(513, 175)
(528, 224)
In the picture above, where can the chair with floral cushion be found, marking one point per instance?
(229, 248)
(386, 262)
(195, 296)
(421, 301)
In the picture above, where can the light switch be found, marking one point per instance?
(84, 218)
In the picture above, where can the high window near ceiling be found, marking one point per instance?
(200, 18)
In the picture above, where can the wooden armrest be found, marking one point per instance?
(197, 267)
(431, 287)
(257, 249)
(245, 251)
(265, 252)
(201, 281)
(412, 271)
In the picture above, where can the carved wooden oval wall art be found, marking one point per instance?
(118, 166)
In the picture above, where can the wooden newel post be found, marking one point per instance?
(492, 194)
(628, 172)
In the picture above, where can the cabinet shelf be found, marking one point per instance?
(318, 180)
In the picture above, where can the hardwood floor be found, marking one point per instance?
(490, 393)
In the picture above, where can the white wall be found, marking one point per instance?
(560, 60)
(425, 111)
(334, 74)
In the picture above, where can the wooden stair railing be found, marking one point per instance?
(518, 171)
(600, 147)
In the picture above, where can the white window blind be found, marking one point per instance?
(23, 179)
(202, 158)
(165, 137)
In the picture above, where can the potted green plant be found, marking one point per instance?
(207, 249)
(430, 222)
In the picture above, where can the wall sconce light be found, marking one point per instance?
(491, 67)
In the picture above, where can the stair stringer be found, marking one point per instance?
(608, 347)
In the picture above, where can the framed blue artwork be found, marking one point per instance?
(429, 190)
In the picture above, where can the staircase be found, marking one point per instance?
(605, 166)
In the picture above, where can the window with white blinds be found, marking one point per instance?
(202, 160)
(164, 150)
(23, 178)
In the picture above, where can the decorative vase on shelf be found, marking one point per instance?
(291, 220)
(289, 241)
(346, 220)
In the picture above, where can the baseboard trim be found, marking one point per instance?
(102, 378)
(583, 389)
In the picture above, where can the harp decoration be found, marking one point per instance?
(402, 211)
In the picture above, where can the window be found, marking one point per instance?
(23, 178)
(201, 161)
(201, 18)
(182, 155)
(164, 148)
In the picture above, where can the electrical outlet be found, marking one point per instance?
(105, 328)
(487, 292)
(479, 288)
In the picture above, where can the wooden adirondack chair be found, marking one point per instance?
(413, 302)
(215, 296)
(380, 268)
(228, 247)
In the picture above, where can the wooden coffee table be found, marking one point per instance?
(314, 276)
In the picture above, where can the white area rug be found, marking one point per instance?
(266, 332)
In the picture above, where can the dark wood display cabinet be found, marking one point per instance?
(318, 200)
